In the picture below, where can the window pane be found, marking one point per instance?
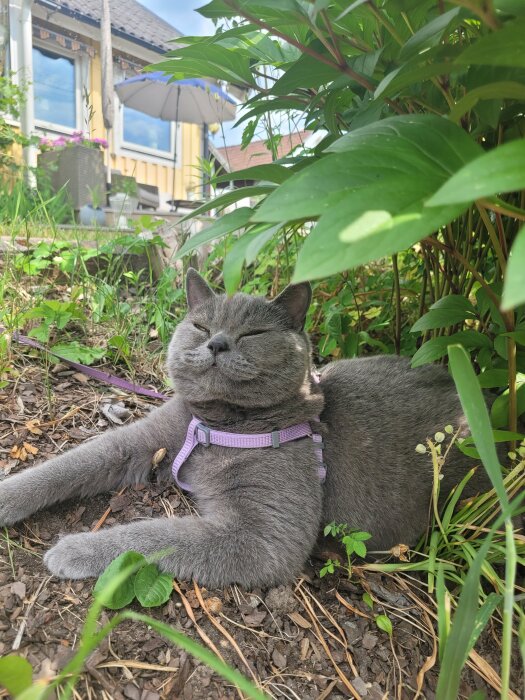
(143, 130)
(54, 87)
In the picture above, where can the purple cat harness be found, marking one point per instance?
(200, 434)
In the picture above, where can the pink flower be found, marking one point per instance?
(100, 142)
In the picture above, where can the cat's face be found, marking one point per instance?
(241, 349)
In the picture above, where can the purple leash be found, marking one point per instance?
(91, 371)
(200, 434)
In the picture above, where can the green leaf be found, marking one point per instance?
(435, 348)
(226, 224)
(385, 624)
(493, 378)
(430, 33)
(125, 593)
(367, 600)
(361, 536)
(500, 170)
(477, 416)
(398, 162)
(499, 412)
(307, 72)
(504, 47)
(271, 172)
(501, 90)
(16, 674)
(234, 261)
(76, 352)
(224, 200)
(360, 548)
(200, 653)
(152, 588)
(447, 311)
(263, 235)
(514, 287)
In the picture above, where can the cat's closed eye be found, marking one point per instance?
(250, 333)
(200, 328)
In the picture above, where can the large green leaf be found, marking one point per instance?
(111, 598)
(514, 288)
(499, 170)
(16, 674)
(226, 224)
(447, 311)
(152, 588)
(406, 154)
(371, 192)
(430, 34)
(504, 47)
(335, 245)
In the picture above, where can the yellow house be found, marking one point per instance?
(54, 46)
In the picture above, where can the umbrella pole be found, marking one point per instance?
(173, 208)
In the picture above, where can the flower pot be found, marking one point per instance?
(123, 205)
(79, 169)
(89, 215)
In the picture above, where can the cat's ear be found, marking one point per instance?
(197, 289)
(295, 300)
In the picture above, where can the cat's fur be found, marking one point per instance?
(261, 509)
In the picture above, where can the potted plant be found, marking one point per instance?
(92, 214)
(76, 162)
(123, 199)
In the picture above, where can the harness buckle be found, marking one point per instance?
(276, 440)
(206, 431)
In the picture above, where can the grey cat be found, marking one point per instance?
(243, 364)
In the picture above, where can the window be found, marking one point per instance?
(54, 85)
(145, 132)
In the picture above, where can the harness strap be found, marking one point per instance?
(200, 434)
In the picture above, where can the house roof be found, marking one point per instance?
(129, 19)
(233, 158)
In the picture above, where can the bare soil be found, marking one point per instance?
(311, 641)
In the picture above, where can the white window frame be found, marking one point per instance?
(80, 65)
(151, 155)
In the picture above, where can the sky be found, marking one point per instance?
(181, 14)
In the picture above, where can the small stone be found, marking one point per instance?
(369, 640)
(131, 692)
(279, 659)
(360, 686)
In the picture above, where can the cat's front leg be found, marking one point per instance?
(117, 458)
(214, 552)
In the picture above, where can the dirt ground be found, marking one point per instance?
(311, 641)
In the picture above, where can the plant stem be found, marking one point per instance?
(508, 603)
(397, 293)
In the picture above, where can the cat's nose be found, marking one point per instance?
(219, 343)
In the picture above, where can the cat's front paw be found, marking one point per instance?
(77, 556)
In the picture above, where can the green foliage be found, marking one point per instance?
(144, 582)
(16, 674)
(353, 541)
(410, 96)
